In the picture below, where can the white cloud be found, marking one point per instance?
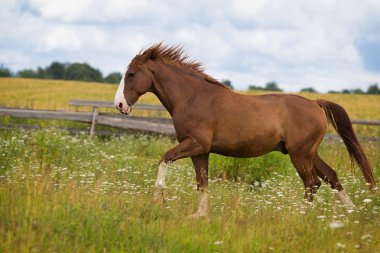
(247, 9)
(66, 10)
(297, 43)
(97, 11)
(61, 38)
(15, 58)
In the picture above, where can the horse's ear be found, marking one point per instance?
(149, 55)
(153, 55)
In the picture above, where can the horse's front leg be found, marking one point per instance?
(159, 186)
(201, 169)
(187, 148)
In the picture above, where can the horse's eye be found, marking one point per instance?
(131, 74)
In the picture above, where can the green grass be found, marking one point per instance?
(72, 193)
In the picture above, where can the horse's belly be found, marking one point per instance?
(245, 148)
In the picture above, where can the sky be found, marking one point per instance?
(328, 45)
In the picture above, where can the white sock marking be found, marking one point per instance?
(202, 203)
(345, 199)
(162, 170)
(202, 206)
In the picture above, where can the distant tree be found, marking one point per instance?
(272, 86)
(333, 92)
(56, 70)
(83, 72)
(373, 89)
(5, 72)
(227, 83)
(308, 89)
(255, 87)
(113, 77)
(346, 91)
(41, 73)
(357, 91)
(27, 73)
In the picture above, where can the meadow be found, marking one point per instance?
(71, 193)
(61, 192)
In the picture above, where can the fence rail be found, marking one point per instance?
(108, 104)
(365, 122)
(162, 126)
(156, 125)
(96, 119)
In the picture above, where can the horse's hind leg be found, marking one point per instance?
(304, 167)
(325, 172)
(329, 175)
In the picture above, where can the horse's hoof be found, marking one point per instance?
(158, 197)
(159, 201)
(345, 200)
(351, 207)
(197, 216)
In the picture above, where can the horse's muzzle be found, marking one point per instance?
(124, 108)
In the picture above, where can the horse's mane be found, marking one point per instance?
(176, 55)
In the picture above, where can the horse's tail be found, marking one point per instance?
(338, 117)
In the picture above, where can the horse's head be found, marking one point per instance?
(136, 81)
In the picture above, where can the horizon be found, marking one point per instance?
(257, 87)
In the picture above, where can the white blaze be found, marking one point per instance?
(120, 99)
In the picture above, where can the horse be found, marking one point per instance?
(209, 117)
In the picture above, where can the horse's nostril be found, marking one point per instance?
(120, 105)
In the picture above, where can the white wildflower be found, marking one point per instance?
(336, 224)
(340, 245)
(366, 237)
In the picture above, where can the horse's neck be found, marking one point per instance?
(173, 90)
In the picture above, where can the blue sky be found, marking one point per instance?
(325, 44)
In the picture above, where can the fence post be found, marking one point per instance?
(93, 123)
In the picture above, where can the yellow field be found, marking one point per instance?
(358, 106)
(55, 95)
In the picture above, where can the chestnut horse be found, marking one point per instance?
(209, 118)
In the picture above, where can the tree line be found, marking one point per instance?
(84, 72)
(273, 86)
(65, 71)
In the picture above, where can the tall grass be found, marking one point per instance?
(72, 193)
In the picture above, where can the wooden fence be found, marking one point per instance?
(155, 125)
(143, 124)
